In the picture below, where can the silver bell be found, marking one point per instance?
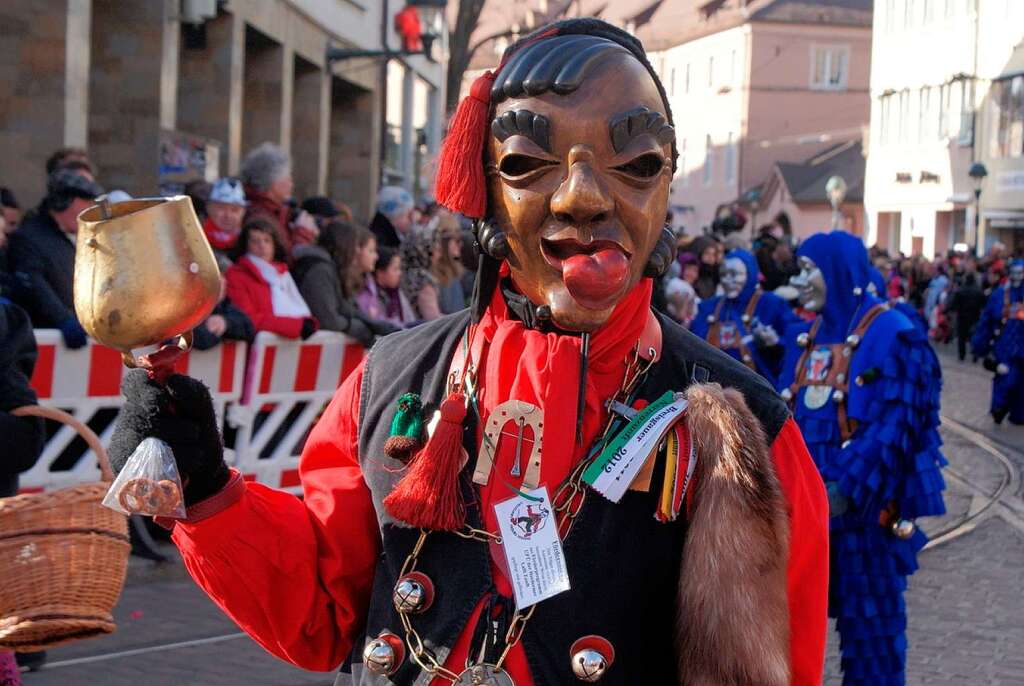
(384, 654)
(589, 665)
(853, 340)
(846, 444)
(413, 593)
(786, 394)
(858, 290)
(803, 340)
(745, 319)
(712, 319)
(838, 396)
(747, 359)
(903, 529)
(840, 377)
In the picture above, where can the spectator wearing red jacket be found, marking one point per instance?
(261, 286)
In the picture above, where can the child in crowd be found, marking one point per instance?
(381, 296)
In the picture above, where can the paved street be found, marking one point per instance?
(965, 603)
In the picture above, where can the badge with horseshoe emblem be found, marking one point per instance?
(522, 424)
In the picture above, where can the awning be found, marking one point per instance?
(1004, 219)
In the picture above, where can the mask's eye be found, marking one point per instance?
(643, 167)
(520, 165)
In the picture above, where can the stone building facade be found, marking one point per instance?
(141, 85)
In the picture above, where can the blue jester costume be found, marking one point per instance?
(999, 336)
(728, 323)
(876, 443)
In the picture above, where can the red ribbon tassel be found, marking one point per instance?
(428, 495)
(461, 186)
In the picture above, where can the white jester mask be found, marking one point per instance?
(733, 276)
(810, 283)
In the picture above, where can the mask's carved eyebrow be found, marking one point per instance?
(524, 123)
(626, 126)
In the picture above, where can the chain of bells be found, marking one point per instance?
(903, 529)
(414, 591)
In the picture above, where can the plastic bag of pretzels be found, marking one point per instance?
(149, 483)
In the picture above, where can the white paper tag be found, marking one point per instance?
(629, 458)
(529, 536)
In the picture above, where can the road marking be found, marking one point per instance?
(143, 651)
(1010, 481)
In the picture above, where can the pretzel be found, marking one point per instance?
(147, 496)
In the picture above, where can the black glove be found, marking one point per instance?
(180, 414)
(309, 328)
(73, 333)
(358, 330)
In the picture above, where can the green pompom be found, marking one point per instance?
(406, 432)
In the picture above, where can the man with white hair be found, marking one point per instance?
(393, 220)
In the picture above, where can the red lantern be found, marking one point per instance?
(407, 24)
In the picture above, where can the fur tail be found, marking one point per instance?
(733, 624)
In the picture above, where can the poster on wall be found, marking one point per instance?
(185, 158)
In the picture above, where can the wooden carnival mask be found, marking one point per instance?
(578, 162)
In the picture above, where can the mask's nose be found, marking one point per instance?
(582, 198)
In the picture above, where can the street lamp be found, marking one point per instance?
(977, 172)
(835, 191)
(419, 25)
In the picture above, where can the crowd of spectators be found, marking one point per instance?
(288, 267)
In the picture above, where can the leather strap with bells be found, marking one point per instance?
(714, 336)
(528, 423)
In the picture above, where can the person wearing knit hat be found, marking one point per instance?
(9, 207)
(393, 220)
(42, 254)
(537, 530)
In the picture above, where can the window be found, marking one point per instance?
(681, 165)
(730, 159)
(708, 153)
(903, 117)
(950, 8)
(908, 14)
(890, 13)
(966, 133)
(672, 82)
(711, 71)
(928, 10)
(1007, 112)
(924, 115)
(885, 119)
(829, 67)
(686, 79)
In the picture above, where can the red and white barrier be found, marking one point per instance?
(292, 381)
(289, 384)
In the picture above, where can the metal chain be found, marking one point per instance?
(567, 501)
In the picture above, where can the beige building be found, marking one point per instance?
(941, 71)
(163, 91)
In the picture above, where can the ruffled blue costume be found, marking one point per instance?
(1007, 348)
(771, 310)
(892, 459)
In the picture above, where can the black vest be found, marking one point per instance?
(623, 565)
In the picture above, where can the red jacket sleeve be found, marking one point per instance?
(807, 570)
(253, 298)
(296, 575)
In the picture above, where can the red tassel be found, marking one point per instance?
(428, 495)
(460, 185)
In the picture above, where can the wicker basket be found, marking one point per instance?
(63, 557)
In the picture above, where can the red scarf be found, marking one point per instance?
(219, 239)
(543, 369)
